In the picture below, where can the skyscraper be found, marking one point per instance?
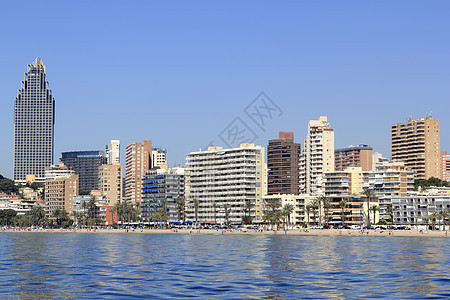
(138, 161)
(283, 157)
(113, 152)
(317, 157)
(34, 118)
(417, 143)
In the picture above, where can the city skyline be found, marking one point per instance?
(364, 75)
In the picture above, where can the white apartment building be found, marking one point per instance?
(222, 180)
(317, 157)
(113, 152)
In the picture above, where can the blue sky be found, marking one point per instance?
(178, 72)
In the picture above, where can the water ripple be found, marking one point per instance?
(145, 266)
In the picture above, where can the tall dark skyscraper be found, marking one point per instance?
(34, 119)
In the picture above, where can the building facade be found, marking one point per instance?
(113, 152)
(162, 188)
(283, 157)
(34, 119)
(110, 183)
(223, 181)
(353, 156)
(86, 165)
(138, 161)
(352, 181)
(417, 144)
(159, 157)
(317, 157)
(445, 166)
(59, 193)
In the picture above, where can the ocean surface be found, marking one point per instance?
(169, 266)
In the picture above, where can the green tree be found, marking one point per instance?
(374, 209)
(288, 209)
(227, 208)
(7, 217)
(369, 195)
(248, 205)
(8, 186)
(181, 203)
(308, 210)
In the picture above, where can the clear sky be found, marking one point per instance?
(178, 72)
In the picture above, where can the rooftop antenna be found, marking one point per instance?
(431, 114)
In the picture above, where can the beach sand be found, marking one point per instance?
(342, 232)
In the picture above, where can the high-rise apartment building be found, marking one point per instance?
(317, 157)
(353, 156)
(138, 161)
(86, 165)
(283, 157)
(110, 183)
(34, 118)
(61, 186)
(352, 181)
(161, 189)
(223, 181)
(113, 152)
(417, 144)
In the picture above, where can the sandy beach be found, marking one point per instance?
(342, 232)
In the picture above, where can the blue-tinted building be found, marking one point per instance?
(85, 164)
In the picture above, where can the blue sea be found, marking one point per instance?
(171, 266)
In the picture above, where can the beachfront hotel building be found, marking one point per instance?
(85, 164)
(34, 119)
(417, 144)
(138, 161)
(353, 156)
(110, 183)
(317, 157)
(283, 157)
(113, 152)
(445, 166)
(223, 180)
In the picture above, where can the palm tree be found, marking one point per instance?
(433, 217)
(227, 207)
(440, 216)
(288, 209)
(247, 209)
(315, 206)
(390, 213)
(180, 208)
(369, 195)
(308, 209)
(374, 209)
(320, 202)
(342, 205)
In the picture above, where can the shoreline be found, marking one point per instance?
(313, 232)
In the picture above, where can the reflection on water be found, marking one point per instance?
(146, 266)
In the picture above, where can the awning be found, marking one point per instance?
(187, 222)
